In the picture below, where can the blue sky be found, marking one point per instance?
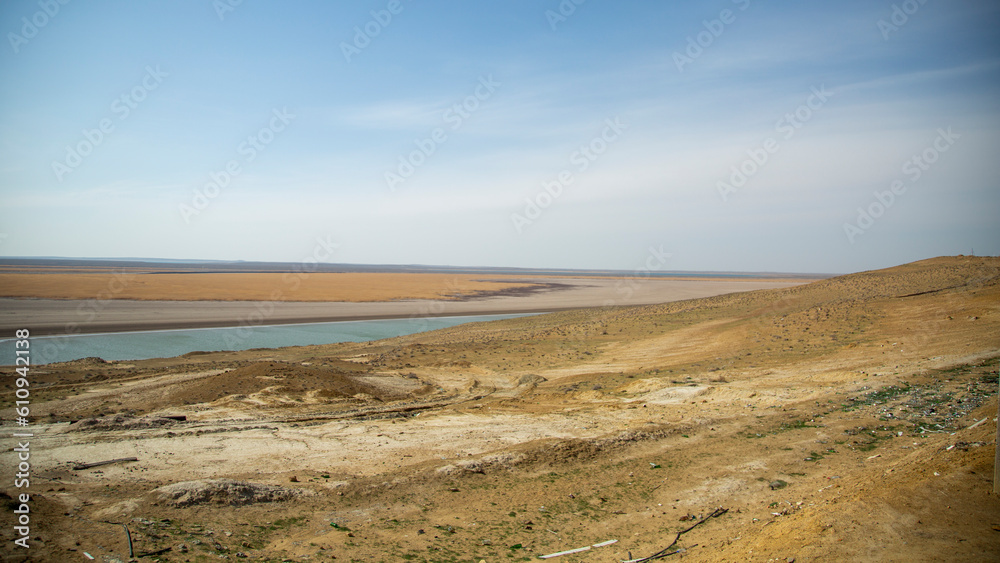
(647, 110)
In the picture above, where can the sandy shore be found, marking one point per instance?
(55, 316)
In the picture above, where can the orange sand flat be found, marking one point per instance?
(352, 287)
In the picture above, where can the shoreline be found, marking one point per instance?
(52, 317)
(96, 330)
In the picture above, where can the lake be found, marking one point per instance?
(143, 345)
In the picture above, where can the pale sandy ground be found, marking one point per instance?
(719, 399)
(52, 316)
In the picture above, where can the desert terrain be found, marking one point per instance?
(847, 419)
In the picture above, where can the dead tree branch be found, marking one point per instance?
(665, 552)
(81, 466)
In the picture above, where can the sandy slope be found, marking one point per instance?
(849, 419)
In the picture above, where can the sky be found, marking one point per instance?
(722, 135)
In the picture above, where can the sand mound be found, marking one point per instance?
(503, 460)
(278, 378)
(82, 362)
(226, 492)
(531, 379)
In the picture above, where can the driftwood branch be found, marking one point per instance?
(155, 553)
(665, 552)
(81, 466)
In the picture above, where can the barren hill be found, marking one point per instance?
(847, 419)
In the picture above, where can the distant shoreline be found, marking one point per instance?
(265, 326)
(52, 317)
(94, 265)
(118, 328)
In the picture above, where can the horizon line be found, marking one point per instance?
(526, 269)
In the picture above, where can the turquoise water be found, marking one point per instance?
(168, 343)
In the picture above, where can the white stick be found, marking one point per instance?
(578, 550)
(571, 551)
(976, 424)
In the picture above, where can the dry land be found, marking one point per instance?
(270, 286)
(849, 419)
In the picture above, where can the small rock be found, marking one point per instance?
(777, 484)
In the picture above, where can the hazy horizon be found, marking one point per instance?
(717, 136)
(376, 267)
